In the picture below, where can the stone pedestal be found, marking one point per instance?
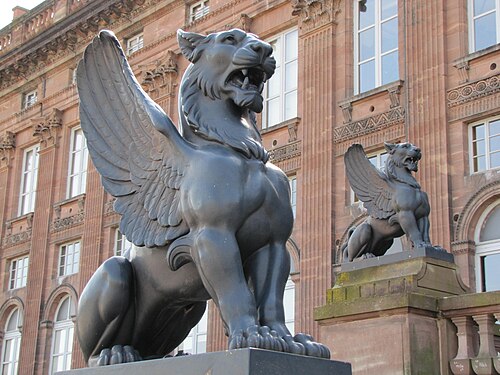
(382, 315)
(234, 362)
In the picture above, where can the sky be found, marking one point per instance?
(7, 5)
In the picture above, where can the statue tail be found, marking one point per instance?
(343, 248)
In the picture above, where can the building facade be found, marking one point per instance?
(364, 71)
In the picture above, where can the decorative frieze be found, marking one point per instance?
(21, 234)
(108, 207)
(46, 128)
(368, 125)
(315, 13)
(288, 151)
(474, 90)
(61, 223)
(7, 144)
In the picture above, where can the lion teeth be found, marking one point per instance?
(246, 82)
(245, 72)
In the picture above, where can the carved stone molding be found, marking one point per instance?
(108, 207)
(473, 90)
(12, 239)
(463, 71)
(47, 128)
(463, 247)
(245, 23)
(315, 13)
(159, 77)
(368, 125)
(67, 222)
(288, 151)
(61, 223)
(7, 145)
(346, 111)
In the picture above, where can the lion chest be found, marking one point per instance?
(409, 198)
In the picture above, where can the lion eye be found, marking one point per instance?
(230, 39)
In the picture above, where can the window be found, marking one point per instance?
(483, 21)
(18, 274)
(69, 259)
(135, 43)
(11, 344)
(77, 177)
(198, 10)
(289, 305)
(29, 99)
(196, 341)
(122, 245)
(487, 255)
(28, 180)
(378, 160)
(62, 340)
(293, 194)
(375, 43)
(485, 145)
(281, 90)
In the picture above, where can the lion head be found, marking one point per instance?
(402, 160)
(222, 88)
(229, 65)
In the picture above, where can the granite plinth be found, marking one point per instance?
(232, 362)
(419, 252)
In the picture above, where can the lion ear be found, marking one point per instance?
(389, 146)
(188, 42)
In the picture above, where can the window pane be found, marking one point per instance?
(489, 229)
(291, 76)
(482, 6)
(479, 148)
(291, 45)
(478, 132)
(495, 144)
(495, 160)
(276, 51)
(390, 68)
(479, 164)
(367, 76)
(367, 44)
(484, 31)
(273, 112)
(367, 14)
(494, 127)
(390, 35)
(491, 265)
(12, 323)
(274, 85)
(389, 8)
(290, 105)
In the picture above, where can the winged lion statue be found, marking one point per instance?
(208, 213)
(395, 203)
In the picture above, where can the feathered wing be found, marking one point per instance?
(140, 166)
(368, 183)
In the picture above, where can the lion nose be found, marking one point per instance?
(417, 149)
(261, 48)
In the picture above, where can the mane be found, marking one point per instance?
(395, 171)
(244, 139)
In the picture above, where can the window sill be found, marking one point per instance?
(389, 87)
(292, 125)
(475, 55)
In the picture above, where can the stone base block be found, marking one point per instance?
(232, 362)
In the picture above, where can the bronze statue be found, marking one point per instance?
(209, 214)
(395, 203)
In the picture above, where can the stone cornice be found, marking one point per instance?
(315, 13)
(47, 128)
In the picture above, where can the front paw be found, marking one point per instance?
(312, 348)
(114, 356)
(255, 336)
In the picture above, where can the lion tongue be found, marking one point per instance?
(246, 82)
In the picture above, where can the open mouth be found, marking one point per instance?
(412, 160)
(248, 79)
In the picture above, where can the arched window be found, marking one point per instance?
(62, 340)
(487, 239)
(11, 344)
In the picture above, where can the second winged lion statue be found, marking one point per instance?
(393, 199)
(208, 213)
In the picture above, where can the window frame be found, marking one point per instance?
(204, 10)
(13, 273)
(487, 137)
(139, 37)
(33, 177)
(81, 175)
(66, 265)
(485, 248)
(280, 66)
(471, 23)
(292, 181)
(29, 103)
(122, 242)
(15, 336)
(377, 46)
(194, 334)
(59, 326)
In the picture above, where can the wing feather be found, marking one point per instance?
(369, 184)
(135, 147)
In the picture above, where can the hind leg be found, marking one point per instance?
(106, 314)
(359, 242)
